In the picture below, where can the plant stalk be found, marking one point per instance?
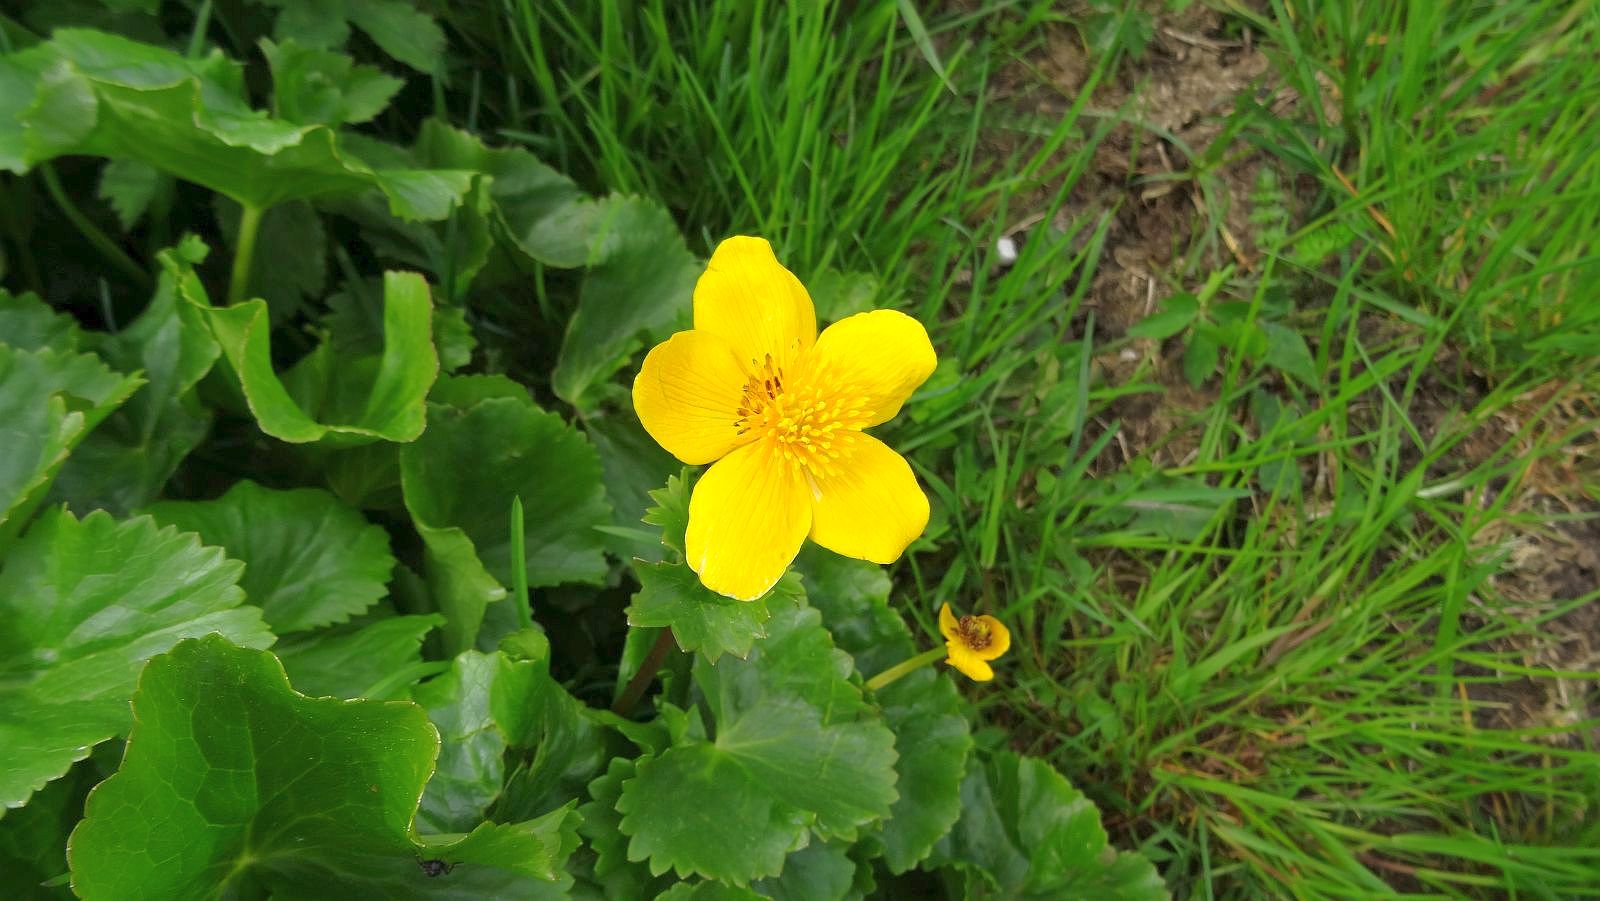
(107, 247)
(889, 675)
(239, 281)
(647, 673)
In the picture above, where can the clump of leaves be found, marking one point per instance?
(259, 540)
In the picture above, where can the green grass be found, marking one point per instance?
(1272, 643)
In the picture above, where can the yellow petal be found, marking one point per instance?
(871, 362)
(948, 623)
(687, 395)
(999, 638)
(748, 517)
(749, 300)
(971, 665)
(868, 505)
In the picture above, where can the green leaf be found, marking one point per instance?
(568, 749)
(353, 660)
(85, 604)
(670, 594)
(310, 561)
(471, 765)
(124, 463)
(634, 465)
(839, 294)
(1032, 835)
(1177, 312)
(797, 749)
(312, 86)
(1287, 352)
(543, 213)
(713, 891)
(464, 470)
(298, 795)
(87, 92)
(671, 511)
(404, 32)
(819, 870)
(28, 323)
(33, 839)
(483, 706)
(357, 401)
(290, 264)
(602, 826)
(637, 288)
(130, 187)
(49, 400)
(1200, 357)
(774, 771)
(923, 708)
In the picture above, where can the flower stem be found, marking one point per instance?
(646, 674)
(239, 281)
(89, 230)
(889, 675)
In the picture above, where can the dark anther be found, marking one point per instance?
(435, 867)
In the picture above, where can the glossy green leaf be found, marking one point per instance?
(923, 708)
(821, 871)
(670, 594)
(88, 92)
(560, 748)
(1030, 834)
(310, 561)
(403, 31)
(635, 465)
(124, 463)
(33, 839)
(713, 891)
(85, 604)
(602, 826)
(637, 288)
(300, 795)
(474, 705)
(28, 323)
(49, 400)
(131, 186)
(542, 212)
(357, 660)
(797, 750)
(839, 294)
(290, 265)
(312, 86)
(354, 401)
(464, 470)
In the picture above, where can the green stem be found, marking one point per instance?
(519, 564)
(197, 37)
(89, 230)
(646, 674)
(889, 675)
(249, 224)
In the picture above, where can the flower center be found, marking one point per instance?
(974, 632)
(807, 427)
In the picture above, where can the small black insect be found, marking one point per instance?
(435, 867)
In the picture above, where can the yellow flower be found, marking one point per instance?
(780, 410)
(973, 641)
